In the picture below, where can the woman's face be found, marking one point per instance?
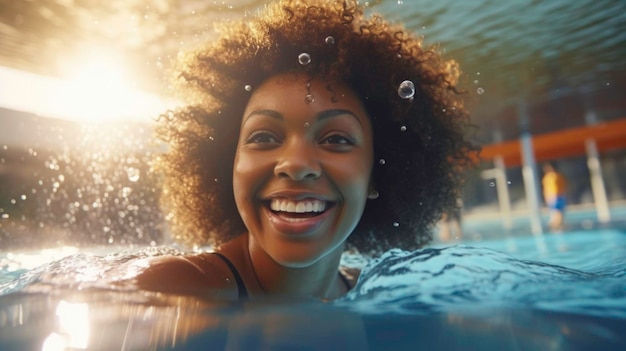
(302, 167)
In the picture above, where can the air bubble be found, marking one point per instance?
(309, 98)
(248, 87)
(382, 161)
(406, 90)
(396, 224)
(329, 40)
(480, 91)
(403, 128)
(304, 58)
(307, 125)
(133, 174)
(492, 184)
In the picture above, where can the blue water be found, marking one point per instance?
(558, 291)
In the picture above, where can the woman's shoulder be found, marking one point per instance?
(204, 274)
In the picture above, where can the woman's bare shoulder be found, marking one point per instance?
(199, 274)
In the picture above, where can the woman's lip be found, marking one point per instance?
(295, 195)
(296, 226)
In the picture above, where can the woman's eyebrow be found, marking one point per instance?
(265, 112)
(336, 112)
(320, 116)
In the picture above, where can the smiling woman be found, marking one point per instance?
(308, 129)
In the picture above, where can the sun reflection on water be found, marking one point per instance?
(74, 328)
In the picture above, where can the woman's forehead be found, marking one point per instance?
(290, 88)
(301, 95)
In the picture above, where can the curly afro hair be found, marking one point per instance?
(420, 141)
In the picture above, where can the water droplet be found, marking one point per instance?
(508, 182)
(23, 197)
(396, 224)
(492, 184)
(400, 2)
(399, 55)
(382, 161)
(307, 125)
(475, 81)
(406, 90)
(329, 40)
(304, 58)
(480, 91)
(248, 87)
(133, 174)
(5, 216)
(403, 128)
(309, 98)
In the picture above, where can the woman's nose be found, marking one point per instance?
(298, 161)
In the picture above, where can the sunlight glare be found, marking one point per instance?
(95, 90)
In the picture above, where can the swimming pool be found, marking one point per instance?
(552, 292)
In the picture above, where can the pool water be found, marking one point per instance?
(553, 292)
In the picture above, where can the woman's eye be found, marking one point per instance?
(337, 139)
(261, 137)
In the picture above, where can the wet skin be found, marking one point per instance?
(293, 154)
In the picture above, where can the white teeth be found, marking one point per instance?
(284, 205)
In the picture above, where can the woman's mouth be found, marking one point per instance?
(297, 216)
(290, 209)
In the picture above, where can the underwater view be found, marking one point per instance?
(83, 85)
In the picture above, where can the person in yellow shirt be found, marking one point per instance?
(554, 191)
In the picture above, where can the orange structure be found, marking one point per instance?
(563, 143)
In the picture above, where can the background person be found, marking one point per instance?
(554, 193)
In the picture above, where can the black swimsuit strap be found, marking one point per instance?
(241, 287)
(345, 281)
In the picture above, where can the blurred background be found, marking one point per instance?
(81, 82)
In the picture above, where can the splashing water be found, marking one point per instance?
(93, 187)
(465, 277)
